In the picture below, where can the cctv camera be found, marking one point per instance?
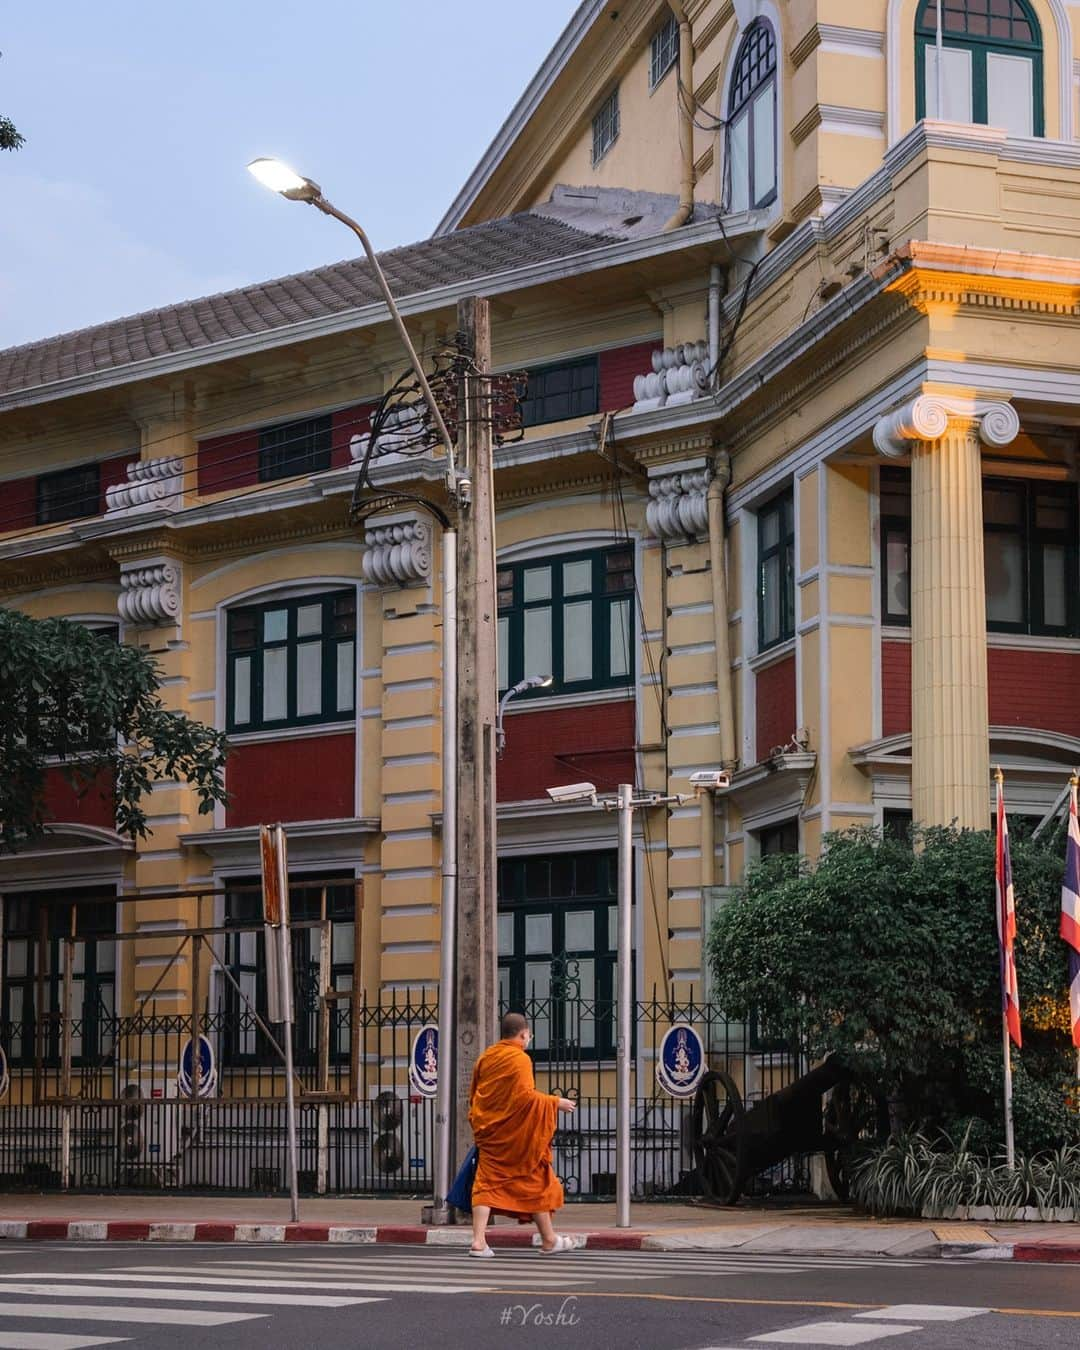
(710, 778)
(573, 792)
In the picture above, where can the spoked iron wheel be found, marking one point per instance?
(853, 1115)
(717, 1125)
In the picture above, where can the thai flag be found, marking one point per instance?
(1070, 912)
(1006, 922)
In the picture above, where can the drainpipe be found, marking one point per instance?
(718, 574)
(685, 107)
(716, 275)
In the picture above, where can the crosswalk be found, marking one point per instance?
(129, 1299)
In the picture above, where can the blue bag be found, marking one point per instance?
(460, 1193)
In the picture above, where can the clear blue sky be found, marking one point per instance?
(139, 118)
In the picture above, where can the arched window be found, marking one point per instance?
(751, 131)
(991, 64)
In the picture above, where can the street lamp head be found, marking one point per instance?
(532, 682)
(278, 177)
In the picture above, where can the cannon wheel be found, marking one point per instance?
(852, 1115)
(717, 1122)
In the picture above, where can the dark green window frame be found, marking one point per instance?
(980, 46)
(780, 838)
(610, 595)
(247, 646)
(68, 494)
(568, 1017)
(776, 567)
(559, 392)
(295, 448)
(895, 530)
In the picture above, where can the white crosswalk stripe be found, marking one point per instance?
(49, 1340)
(90, 1312)
(127, 1290)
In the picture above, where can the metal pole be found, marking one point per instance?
(1010, 1147)
(625, 1009)
(444, 1096)
(940, 66)
(285, 985)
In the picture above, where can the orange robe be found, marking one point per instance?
(512, 1124)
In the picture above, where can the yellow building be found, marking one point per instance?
(797, 289)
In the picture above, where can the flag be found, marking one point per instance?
(1070, 912)
(1006, 922)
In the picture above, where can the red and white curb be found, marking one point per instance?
(128, 1230)
(1063, 1253)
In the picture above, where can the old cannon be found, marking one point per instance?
(825, 1111)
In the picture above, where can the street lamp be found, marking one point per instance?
(279, 177)
(532, 682)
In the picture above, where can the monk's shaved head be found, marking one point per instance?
(512, 1024)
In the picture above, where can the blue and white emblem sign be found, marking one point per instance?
(681, 1061)
(424, 1061)
(207, 1069)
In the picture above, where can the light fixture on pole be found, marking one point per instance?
(522, 686)
(279, 177)
(626, 803)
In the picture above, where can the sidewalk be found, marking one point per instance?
(808, 1230)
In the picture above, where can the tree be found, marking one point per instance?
(10, 138)
(887, 955)
(69, 694)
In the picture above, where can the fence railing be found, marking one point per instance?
(129, 1120)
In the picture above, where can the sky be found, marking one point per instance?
(140, 116)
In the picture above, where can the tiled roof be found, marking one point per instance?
(487, 249)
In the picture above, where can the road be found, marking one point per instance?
(230, 1297)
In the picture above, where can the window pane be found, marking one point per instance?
(504, 652)
(1055, 611)
(538, 987)
(764, 114)
(581, 1027)
(343, 936)
(1051, 513)
(580, 934)
(308, 620)
(346, 676)
(770, 528)
(16, 957)
(897, 576)
(537, 933)
(1004, 578)
(275, 669)
(739, 163)
(955, 84)
(620, 638)
(770, 601)
(1010, 93)
(537, 583)
(308, 679)
(242, 690)
(577, 577)
(577, 641)
(613, 928)
(1001, 506)
(537, 653)
(275, 625)
(506, 935)
(504, 988)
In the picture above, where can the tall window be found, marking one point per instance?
(294, 448)
(69, 494)
(245, 957)
(34, 928)
(782, 838)
(605, 126)
(1030, 551)
(663, 50)
(558, 392)
(991, 64)
(292, 662)
(751, 130)
(570, 617)
(557, 936)
(776, 571)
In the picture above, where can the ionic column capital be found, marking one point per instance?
(928, 416)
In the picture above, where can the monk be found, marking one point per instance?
(512, 1125)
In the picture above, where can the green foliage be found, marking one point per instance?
(887, 955)
(919, 1175)
(10, 138)
(66, 692)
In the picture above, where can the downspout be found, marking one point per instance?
(684, 98)
(716, 280)
(714, 498)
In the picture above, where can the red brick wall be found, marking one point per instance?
(775, 705)
(1027, 688)
(1034, 689)
(895, 688)
(617, 370)
(62, 803)
(554, 746)
(310, 778)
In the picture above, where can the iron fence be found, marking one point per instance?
(128, 1120)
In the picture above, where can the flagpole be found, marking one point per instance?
(1003, 920)
(939, 72)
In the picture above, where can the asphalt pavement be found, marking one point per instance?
(195, 1296)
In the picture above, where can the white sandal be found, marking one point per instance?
(480, 1255)
(563, 1243)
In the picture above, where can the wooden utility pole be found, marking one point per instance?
(476, 713)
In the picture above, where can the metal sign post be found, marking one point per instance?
(275, 871)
